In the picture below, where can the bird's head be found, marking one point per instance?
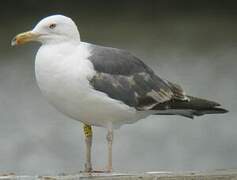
(52, 29)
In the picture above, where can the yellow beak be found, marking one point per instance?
(23, 38)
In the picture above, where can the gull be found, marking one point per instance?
(102, 86)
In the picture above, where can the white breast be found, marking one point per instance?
(62, 73)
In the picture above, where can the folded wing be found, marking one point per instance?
(126, 78)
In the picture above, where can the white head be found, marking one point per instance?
(52, 29)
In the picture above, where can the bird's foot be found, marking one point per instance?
(109, 168)
(88, 167)
(90, 170)
(100, 171)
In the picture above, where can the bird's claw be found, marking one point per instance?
(90, 170)
(88, 167)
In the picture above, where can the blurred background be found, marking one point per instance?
(192, 43)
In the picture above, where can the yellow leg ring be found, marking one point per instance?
(87, 130)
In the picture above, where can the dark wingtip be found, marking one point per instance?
(225, 110)
(221, 110)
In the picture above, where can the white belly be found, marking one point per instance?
(64, 81)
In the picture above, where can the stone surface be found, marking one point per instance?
(208, 175)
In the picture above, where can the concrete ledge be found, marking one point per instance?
(210, 175)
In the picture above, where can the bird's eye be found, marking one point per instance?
(52, 26)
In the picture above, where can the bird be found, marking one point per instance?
(102, 86)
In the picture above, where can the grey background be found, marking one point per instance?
(192, 43)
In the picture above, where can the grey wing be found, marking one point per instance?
(116, 61)
(124, 77)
